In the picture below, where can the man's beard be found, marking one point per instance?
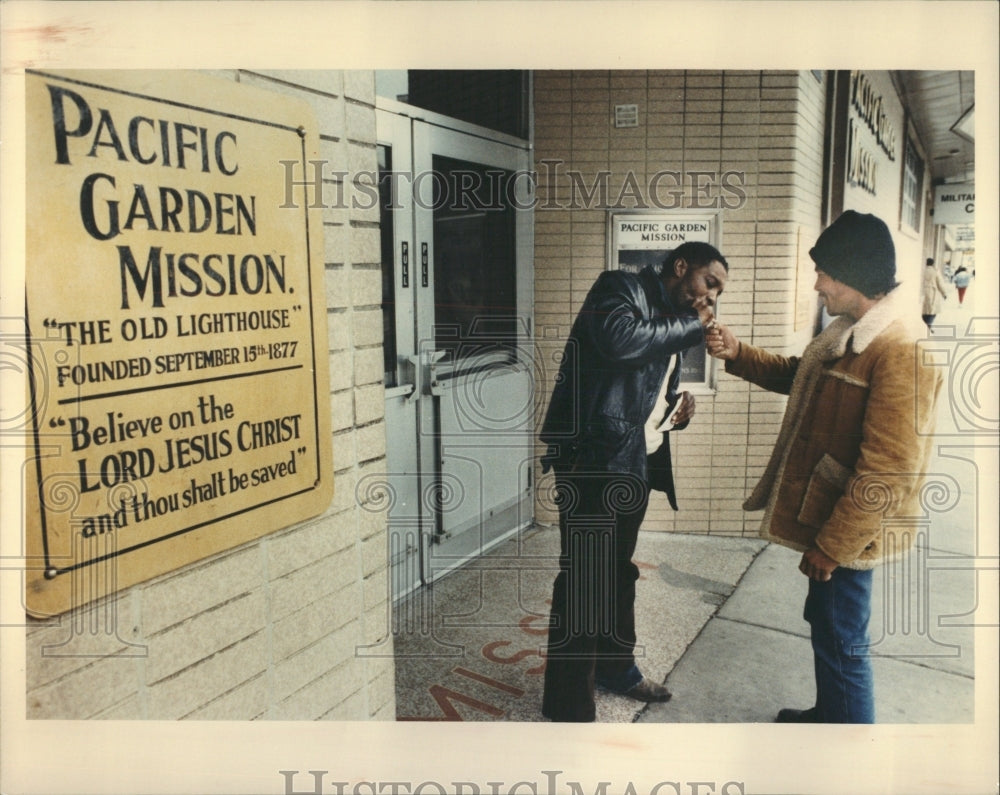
(683, 300)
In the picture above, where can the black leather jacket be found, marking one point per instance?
(612, 369)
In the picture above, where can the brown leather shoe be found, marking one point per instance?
(647, 690)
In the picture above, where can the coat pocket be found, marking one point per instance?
(826, 486)
(605, 445)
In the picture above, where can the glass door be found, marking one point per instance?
(473, 216)
(460, 382)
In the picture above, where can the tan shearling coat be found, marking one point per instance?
(855, 439)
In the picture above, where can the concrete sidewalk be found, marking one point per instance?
(472, 646)
(754, 656)
(718, 618)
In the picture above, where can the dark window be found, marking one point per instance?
(475, 290)
(492, 98)
(913, 181)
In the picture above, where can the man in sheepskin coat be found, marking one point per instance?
(851, 452)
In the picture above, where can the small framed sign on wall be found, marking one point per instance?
(638, 238)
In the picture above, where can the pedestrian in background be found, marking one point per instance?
(850, 454)
(934, 290)
(962, 278)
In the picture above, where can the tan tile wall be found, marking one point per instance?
(269, 630)
(767, 125)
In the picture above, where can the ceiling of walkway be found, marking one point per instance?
(942, 106)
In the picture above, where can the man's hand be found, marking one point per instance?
(817, 565)
(705, 313)
(685, 409)
(721, 343)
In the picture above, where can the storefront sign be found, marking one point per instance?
(862, 168)
(965, 236)
(637, 238)
(955, 203)
(870, 107)
(176, 323)
(654, 234)
(871, 135)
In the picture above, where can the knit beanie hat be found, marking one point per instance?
(857, 250)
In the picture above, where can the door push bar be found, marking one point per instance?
(423, 373)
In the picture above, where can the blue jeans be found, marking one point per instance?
(838, 612)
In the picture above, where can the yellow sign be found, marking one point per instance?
(176, 326)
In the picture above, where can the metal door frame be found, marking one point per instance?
(415, 136)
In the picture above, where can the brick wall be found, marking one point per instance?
(767, 126)
(268, 630)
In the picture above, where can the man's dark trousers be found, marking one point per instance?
(592, 623)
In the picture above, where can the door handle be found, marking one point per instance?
(433, 382)
(413, 372)
(422, 372)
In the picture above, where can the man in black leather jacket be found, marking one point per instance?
(616, 398)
